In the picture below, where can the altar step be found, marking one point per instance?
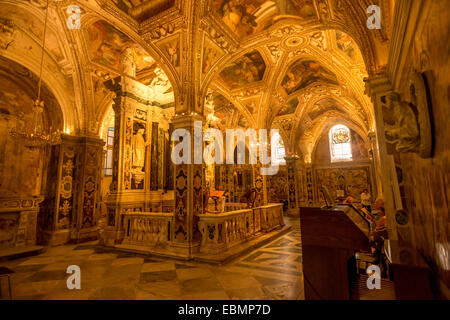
(20, 252)
(242, 248)
(222, 258)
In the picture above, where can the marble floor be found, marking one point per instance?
(272, 271)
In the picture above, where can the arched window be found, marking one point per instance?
(340, 143)
(279, 150)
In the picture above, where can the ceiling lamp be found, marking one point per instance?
(35, 135)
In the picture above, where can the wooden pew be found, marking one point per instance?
(330, 237)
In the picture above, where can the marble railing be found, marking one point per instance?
(231, 206)
(219, 231)
(147, 229)
(225, 230)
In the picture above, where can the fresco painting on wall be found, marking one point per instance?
(171, 48)
(210, 55)
(29, 24)
(359, 149)
(245, 70)
(241, 16)
(351, 180)
(303, 73)
(8, 229)
(243, 122)
(223, 109)
(277, 186)
(289, 108)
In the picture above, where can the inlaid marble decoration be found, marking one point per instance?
(181, 202)
(65, 209)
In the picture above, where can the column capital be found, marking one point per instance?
(378, 84)
(186, 119)
(292, 157)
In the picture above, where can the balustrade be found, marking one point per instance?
(147, 229)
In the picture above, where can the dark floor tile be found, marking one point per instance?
(158, 276)
(28, 268)
(201, 285)
(270, 281)
(153, 260)
(183, 266)
(113, 293)
(47, 275)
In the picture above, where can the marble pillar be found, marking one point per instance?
(378, 87)
(70, 208)
(188, 178)
(292, 163)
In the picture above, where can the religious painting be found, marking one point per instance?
(252, 104)
(8, 228)
(245, 70)
(277, 186)
(243, 123)
(322, 107)
(353, 181)
(241, 16)
(359, 149)
(143, 13)
(346, 44)
(29, 24)
(223, 109)
(211, 54)
(171, 48)
(303, 73)
(107, 44)
(289, 108)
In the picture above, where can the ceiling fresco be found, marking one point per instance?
(324, 106)
(303, 73)
(245, 70)
(143, 9)
(245, 17)
(107, 44)
(31, 25)
(347, 45)
(289, 108)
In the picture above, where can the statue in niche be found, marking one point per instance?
(127, 63)
(139, 146)
(404, 133)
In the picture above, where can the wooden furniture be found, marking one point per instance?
(6, 272)
(411, 274)
(330, 238)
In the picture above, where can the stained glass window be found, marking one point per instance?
(340, 143)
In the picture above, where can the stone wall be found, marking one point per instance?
(425, 183)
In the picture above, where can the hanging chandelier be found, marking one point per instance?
(35, 135)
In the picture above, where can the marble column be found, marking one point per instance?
(292, 163)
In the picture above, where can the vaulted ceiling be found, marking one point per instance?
(287, 64)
